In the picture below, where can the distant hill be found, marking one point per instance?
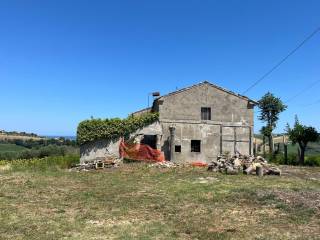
(4, 135)
(65, 137)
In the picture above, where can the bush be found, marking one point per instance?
(279, 159)
(312, 160)
(8, 155)
(94, 129)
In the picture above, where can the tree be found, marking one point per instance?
(270, 109)
(302, 135)
(266, 132)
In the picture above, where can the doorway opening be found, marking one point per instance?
(150, 140)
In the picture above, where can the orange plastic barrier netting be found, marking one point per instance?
(140, 152)
(199, 164)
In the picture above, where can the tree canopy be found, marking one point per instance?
(302, 135)
(270, 109)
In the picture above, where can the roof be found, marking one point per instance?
(212, 85)
(141, 111)
(196, 85)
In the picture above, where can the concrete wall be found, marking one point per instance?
(103, 147)
(225, 107)
(99, 149)
(229, 130)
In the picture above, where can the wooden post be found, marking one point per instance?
(264, 145)
(285, 147)
(272, 143)
(259, 171)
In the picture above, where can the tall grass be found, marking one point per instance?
(52, 163)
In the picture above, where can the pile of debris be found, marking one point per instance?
(98, 163)
(164, 164)
(243, 163)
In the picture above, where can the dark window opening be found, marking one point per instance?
(195, 146)
(150, 140)
(205, 113)
(177, 148)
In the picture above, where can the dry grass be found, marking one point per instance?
(137, 202)
(5, 137)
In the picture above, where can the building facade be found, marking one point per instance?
(196, 123)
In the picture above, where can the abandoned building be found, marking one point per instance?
(196, 123)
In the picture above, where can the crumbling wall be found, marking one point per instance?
(107, 147)
(99, 149)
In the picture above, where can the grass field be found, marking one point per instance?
(10, 147)
(313, 148)
(137, 202)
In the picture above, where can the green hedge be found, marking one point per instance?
(94, 129)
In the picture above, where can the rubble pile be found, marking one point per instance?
(98, 163)
(243, 163)
(165, 164)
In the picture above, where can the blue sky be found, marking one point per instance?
(64, 61)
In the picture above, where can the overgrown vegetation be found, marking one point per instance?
(94, 129)
(293, 159)
(138, 202)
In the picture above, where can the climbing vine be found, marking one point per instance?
(94, 129)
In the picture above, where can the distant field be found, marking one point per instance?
(313, 148)
(8, 147)
(15, 137)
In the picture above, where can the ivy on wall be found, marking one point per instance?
(94, 129)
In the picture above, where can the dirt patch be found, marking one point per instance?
(308, 173)
(302, 198)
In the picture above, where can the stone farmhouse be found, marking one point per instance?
(196, 123)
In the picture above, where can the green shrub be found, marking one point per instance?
(94, 129)
(279, 159)
(312, 160)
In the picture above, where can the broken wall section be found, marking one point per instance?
(103, 148)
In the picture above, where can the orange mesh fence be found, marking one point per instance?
(199, 164)
(140, 152)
